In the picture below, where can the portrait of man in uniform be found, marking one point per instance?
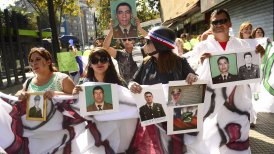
(225, 75)
(175, 97)
(249, 70)
(124, 28)
(99, 103)
(151, 110)
(35, 111)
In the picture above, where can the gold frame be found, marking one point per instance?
(44, 114)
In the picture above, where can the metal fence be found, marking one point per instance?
(14, 49)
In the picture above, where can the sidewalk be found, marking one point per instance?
(13, 89)
(262, 136)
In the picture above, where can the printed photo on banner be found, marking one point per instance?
(181, 93)
(122, 14)
(36, 107)
(151, 104)
(98, 98)
(185, 119)
(263, 41)
(185, 106)
(234, 68)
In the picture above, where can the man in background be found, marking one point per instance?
(130, 57)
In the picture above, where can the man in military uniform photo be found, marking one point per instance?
(151, 110)
(35, 111)
(249, 70)
(225, 76)
(99, 103)
(125, 29)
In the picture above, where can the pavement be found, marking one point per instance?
(261, 136)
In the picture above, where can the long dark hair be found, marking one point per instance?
(111, 75)
(167, 62)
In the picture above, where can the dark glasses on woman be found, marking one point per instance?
(103, 60)
(219, 22)
(124, 40)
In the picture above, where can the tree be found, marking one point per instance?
(147, 10)
(61, 7)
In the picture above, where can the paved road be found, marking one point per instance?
(262, 136)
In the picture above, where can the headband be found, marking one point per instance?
(161, 39)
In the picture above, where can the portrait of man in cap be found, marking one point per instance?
(35, 111)
(175, 97)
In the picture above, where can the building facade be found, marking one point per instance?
(195, 18)
(81, 26)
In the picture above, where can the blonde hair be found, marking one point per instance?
(243, 26)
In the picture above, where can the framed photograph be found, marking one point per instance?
(185, 106)
(185, 119)
(181, 93)
(234, 68)
(123, 13)
(36, 107)
(151, 104)
(98, 98)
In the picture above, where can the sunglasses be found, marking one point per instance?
(219, 22)
(124, 40)
(103, 60)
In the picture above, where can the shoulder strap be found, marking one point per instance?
(28, 82)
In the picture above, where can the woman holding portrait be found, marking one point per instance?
(100, 68)
(161, 66)
(47, 136)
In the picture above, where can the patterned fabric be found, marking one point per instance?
(56, 135)
(55, 83)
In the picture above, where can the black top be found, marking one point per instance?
(127, 66)
(148, 74)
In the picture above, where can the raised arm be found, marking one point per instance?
(139, 27)
(107, 42)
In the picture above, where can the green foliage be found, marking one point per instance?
(61, 7)
(147, 10)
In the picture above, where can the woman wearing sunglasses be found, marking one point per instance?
(100, 68)
(161, 66)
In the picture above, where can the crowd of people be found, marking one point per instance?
(159, 58)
